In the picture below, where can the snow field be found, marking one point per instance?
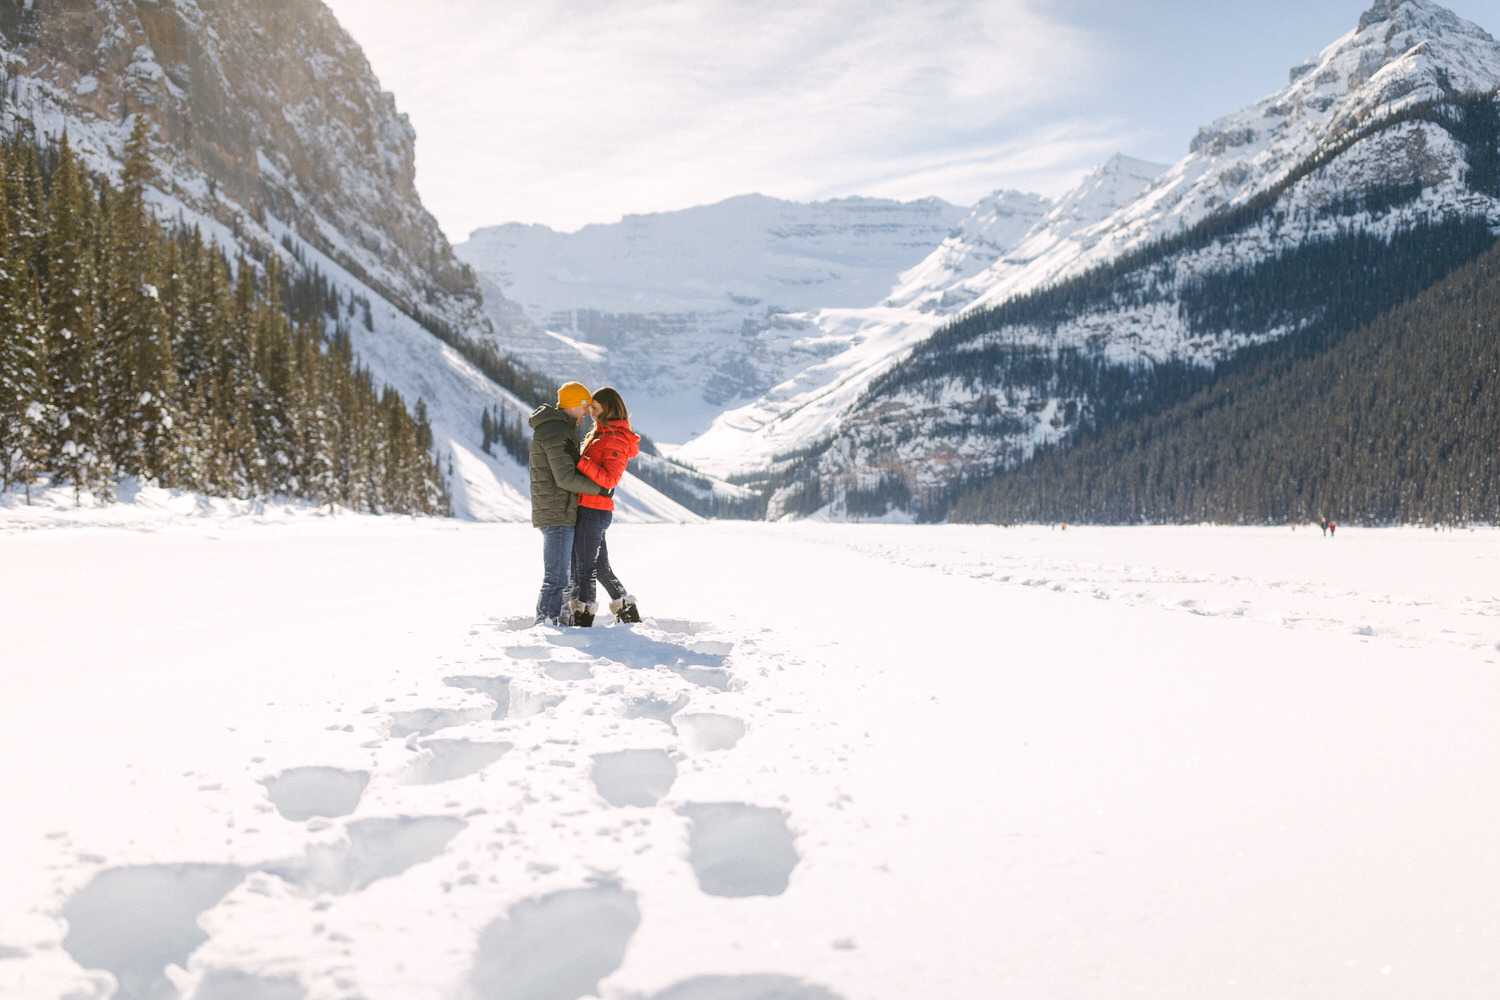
(287, 754)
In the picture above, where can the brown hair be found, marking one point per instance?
(611, 411)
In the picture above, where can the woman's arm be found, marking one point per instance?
(604, 463)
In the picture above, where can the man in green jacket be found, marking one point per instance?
(555, 485)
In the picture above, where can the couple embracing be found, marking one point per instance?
(572, 501)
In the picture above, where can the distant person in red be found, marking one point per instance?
(1332, 528)
(607, 448)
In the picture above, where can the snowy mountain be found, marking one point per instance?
(1007, 235)
(1363, 177)
(1009, 231)
(687, 312)
(272, 136)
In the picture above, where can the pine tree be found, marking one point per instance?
(139, 388)
(23, 388)
(125, 350)
(74, 361)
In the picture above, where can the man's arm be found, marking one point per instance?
(563, 471)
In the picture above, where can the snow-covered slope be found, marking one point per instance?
(686, 312)
(270, 130)
(1001, 238)
(1353, 144)
(1008, 233)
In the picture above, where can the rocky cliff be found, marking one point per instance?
(266, 118)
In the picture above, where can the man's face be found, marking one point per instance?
(578, 412)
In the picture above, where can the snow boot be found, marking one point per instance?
(625, 610)
(583, 614)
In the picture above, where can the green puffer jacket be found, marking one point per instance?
(555, 479)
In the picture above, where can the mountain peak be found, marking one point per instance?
(1405, 15)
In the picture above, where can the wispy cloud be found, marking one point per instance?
(570, 112)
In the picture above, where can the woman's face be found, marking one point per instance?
(595, 409)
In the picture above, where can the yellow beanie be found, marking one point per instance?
(573, 394)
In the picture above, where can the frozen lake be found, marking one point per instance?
(291, 755)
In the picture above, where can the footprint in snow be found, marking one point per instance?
(301, 793)
(701, 732)
(651, 707)
(134, 921)
(524, 703)
(642, 652)
(633, 777)
(235, 984)
(575, 638)
(426, 721)
(751, 987)
(372, 849)
(497, 689)
(528, 652)
(740, 850)
(447, 760)
(555, 947)
(565, 670)
(708, 677)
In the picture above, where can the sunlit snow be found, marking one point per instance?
(284, 752)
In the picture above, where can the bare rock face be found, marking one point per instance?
(264, 112)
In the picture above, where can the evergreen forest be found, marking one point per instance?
(1397, 421)
(128, 349)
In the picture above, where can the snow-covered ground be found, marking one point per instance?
(273, 754)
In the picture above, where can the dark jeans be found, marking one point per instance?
(557, 554)
(591, 557)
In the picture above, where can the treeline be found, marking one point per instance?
(510, 433)
(1397, 422)
(1333, 284)
(129, 350)
(685, 485)
(1322, 289)
(309, 296)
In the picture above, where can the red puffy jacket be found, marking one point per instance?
(604, 460)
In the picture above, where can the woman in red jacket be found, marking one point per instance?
(609, 445)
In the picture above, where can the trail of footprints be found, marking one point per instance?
(137, 921)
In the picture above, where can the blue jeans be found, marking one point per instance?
(591, 557)
(557, 555)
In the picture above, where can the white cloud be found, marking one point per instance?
(571, 112)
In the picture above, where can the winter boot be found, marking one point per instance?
(583, 614)
(625, 609)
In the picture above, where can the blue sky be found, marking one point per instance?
(566, 112)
